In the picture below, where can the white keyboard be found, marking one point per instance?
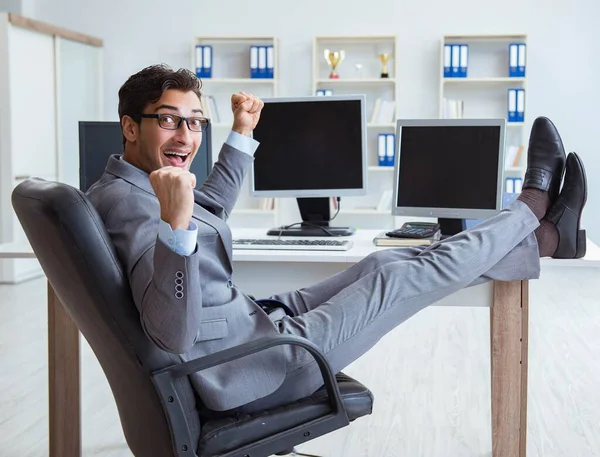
(292, 245)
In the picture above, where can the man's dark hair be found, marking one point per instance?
(148, 85)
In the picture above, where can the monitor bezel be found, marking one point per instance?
(451, 213)
(304, 193)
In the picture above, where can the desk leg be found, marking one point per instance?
(509, 325)
(63, 380)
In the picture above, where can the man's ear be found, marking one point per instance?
(131, 129)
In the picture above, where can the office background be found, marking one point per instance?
(562, 38)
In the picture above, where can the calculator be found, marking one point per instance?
(415, 230)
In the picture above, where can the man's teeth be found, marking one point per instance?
(173, 153)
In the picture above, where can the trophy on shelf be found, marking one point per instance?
(334, 58)
(384, 57)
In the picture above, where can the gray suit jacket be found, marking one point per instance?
(209, 313)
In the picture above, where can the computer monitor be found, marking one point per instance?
(99, 140)
(311, 148)
(451, 169)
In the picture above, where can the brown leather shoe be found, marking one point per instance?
(565, 213)
(545, 158)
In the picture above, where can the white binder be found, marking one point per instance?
(207, 59)
(520, 105)
(253, 61)
(464, 59)
(262, 61)
(512, 105)
(270, 62)
(455, 59)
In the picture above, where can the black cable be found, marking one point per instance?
(315, 223)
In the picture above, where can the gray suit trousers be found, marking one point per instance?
(347, 314)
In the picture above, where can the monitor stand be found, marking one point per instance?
(450, 227)
(314, 211)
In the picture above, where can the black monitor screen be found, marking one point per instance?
(309, 145)
(99, 140)
(448, 167)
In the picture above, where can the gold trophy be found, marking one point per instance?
(333, 58)
(384, 58)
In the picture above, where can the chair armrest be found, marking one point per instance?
(164, 377)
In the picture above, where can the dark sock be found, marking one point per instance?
(547, 238)
(537, 200)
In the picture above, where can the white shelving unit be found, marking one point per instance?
(231, 74)
(484, 91)
(360, 73)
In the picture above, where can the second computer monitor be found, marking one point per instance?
(311, 148)
(451, 169)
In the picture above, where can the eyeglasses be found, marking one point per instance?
(173, 121)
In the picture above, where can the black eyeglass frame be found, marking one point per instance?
(203, 121)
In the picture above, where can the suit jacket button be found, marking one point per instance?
(229, 283)
(179, 274)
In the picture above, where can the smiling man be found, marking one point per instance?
(175, 247)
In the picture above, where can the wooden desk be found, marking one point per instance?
(508, 302)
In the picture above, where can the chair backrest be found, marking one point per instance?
(78, 258)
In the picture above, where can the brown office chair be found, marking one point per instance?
(157, 406)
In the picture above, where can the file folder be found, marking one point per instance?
(270, 62)
(512, 105)
(513, 60)
(510, 186)
(521, 60)
(203, 60)
(207, 61)
(447, 61)
(464, 60)
(389, 149)
(381, 153)
(455, 60)
(198, 60)
(520, 105)
(518, 185)
(262, 61)
(254, 62)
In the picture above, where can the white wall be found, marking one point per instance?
(142, 32)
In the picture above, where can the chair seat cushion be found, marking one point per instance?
(225, 434)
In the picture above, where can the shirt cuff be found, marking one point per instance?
(242, 143)
(182, 242)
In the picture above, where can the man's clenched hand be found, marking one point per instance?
(174, 188)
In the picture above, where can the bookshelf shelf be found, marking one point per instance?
(377, 168)
(356, 81)
(490, 80)
(239, 81)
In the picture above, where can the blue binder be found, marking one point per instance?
(390, 149)
(521, 60)
(203, 61)
(254, 62)
(520, 105)
(381, 151)
(513, 60)
(455, 60)
(464, 60)
(512, 105)
(447, 61)
(270, 62)
(262, 61)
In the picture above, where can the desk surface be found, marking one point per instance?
(363, 245)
